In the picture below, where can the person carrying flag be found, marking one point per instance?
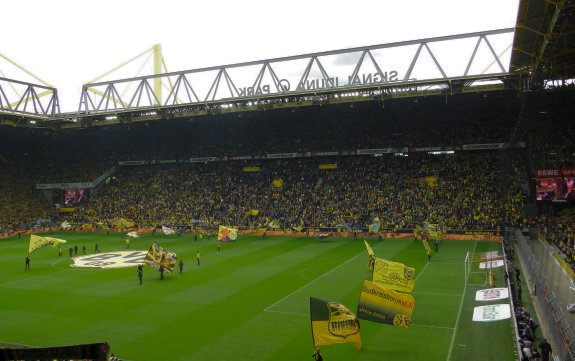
(317, 355)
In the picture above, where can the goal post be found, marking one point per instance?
(479, 268)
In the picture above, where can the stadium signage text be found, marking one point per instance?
(555, 173)
(284, 86)
(376, 151)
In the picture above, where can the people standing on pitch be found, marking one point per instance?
(161, 272)
(436, 246)
(27, 262)
(127, 243)
(84, 249)
(195, 237)
(219, 247)
(198, 257)
(140, 273)
(96, 249)
(75, 250)
(59, 251)
(428, 255)
(181, 264)
(317, 355)
(71, 250)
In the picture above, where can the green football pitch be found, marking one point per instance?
(249, 302)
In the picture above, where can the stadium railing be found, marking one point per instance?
(551, 312)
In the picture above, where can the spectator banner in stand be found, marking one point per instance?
(393, 275)
(383, 305)
(332, 322)
(227, 234)
(492, 313)
(157, 256)
(370, 255)
(375, 225)
(39, 242)
(122, 223)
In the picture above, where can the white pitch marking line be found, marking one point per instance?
(289, 313)
(436, 294)
(309, 283)
(458, 314)
(431, 326)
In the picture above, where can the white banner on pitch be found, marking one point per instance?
(492, 313)
(492, 294)
(111, 259)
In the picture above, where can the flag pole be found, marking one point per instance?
(311, 323)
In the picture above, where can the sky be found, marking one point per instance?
(68, 43)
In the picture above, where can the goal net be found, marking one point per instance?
(480, 267)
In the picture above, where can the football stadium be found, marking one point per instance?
(384, 202)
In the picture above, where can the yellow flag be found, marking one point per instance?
(426, 245)
(158, 256)
(370, 255)
(39, 242)
(384, 305)
(227, 234)
(274, 224)
(375, 225)
(332, 322)
(393, 275)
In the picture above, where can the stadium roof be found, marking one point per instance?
(544, 43)
(541, 51)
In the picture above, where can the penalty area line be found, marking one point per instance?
(309, 283)
(458, 314)
(431, 326)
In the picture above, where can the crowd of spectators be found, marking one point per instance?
(558, 229)
(471, 190)
(463, 195)
(548, 127)
(21, 206)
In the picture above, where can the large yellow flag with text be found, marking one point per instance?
(384, 305)
(332, 322)
(39, 242)
(158, 256)
(393, 275)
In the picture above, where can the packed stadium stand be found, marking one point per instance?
(403, 188)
